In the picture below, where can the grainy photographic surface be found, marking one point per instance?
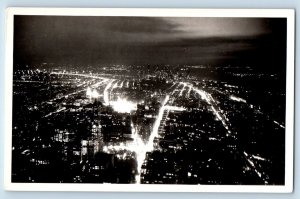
(149, 100)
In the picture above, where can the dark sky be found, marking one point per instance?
(86, 40)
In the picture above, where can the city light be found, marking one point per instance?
(92, 93)
(238, 99)
(123, 105)
(106, 93)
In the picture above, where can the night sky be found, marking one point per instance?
(82, 40)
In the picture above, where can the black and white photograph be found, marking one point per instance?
(150, 98)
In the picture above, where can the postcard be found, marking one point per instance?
(149, 100)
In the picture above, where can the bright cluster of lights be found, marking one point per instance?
(123, 106)
(92, 93)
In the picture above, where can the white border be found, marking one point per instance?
(289, 142)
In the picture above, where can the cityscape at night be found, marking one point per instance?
(154, 101)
